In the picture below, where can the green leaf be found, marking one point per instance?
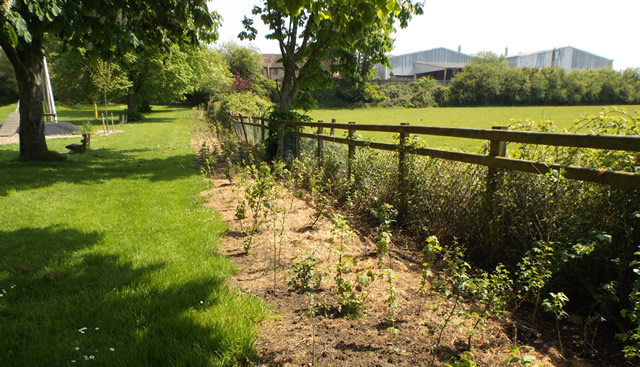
(10, 33)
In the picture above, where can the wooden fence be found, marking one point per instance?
(495, 159)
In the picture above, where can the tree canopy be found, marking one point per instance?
(320, 37)
(103, 28)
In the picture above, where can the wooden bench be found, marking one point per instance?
(82, 147)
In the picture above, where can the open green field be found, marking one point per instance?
(471, 117)
(109, 258)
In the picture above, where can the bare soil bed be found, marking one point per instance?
(286, 338)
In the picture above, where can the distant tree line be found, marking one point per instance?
(489, 80)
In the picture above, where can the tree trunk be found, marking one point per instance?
(132, 106)
(286, 101)
(27, 64)
(33, 145)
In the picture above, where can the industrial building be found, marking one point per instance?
(569, 58)
(442, 64)
(439, 63)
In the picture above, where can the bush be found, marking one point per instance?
(417, 94)
(247, 104)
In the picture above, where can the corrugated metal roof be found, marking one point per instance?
(405, 64)
(568, 58)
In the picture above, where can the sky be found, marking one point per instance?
(605, 28)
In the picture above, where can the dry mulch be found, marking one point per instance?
(286, 337)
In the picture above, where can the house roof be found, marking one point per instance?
(272, 61)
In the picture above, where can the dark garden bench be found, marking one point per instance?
(82, 147)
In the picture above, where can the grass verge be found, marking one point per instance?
(109, 257)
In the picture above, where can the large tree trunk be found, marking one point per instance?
(132, 105)
(286, 102)
(290, 87)
(27, 64)
(33, 145)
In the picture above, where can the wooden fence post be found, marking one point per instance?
(297, 142)
(402, 173)
(352, 149)
(282, 128)
(333, 129)
(262, 129)
(244, 130)
(497, 148)
(320, 143)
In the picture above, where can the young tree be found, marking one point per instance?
(103, 27)
(310, 32)
(108, 77)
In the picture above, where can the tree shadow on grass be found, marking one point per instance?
(27, 249)
(103, 305)
(95, 166)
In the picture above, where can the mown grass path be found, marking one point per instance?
(108, 257)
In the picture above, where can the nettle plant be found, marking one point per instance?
(352, 293)
(386, 215)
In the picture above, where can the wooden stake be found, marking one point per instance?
(113, 129)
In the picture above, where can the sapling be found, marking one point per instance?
(319, 208)
(274, 211)
(431, 251)
(259, 193)
(492, 292)
(386, 215)
(306, 277)
(391, 300)
(241, 213)
(556, 305)
(311, 313)
(534, 272)
(350, 292)
(453, 286)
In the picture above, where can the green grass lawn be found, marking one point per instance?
(5, 111)
(110, 254)
(471, 117)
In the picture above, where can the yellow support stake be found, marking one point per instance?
(95, 110)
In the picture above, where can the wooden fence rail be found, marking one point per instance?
(498, 137)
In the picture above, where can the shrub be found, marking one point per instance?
(247, 104)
